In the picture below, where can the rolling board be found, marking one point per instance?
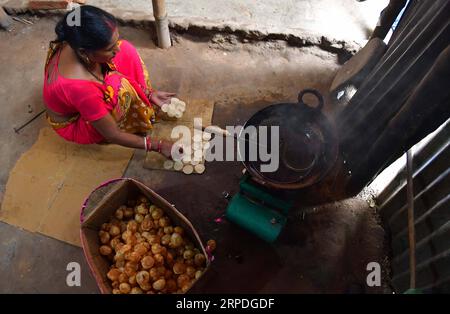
(195, 108)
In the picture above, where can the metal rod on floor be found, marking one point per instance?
(411, 227)
(17, 130)
(162, 23)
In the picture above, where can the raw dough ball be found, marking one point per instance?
(181, 105)
(171, 112)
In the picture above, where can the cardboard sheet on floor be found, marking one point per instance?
(196, 108)
(50, 182)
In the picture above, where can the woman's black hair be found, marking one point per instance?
(86, 27)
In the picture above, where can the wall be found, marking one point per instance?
(431, 182)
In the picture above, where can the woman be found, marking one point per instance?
(96, 87)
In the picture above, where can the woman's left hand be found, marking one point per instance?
(160, 98)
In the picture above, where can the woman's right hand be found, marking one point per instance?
(160, 98)
(166, 148)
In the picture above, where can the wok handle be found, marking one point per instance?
(313, 92)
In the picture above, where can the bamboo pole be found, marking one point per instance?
(162, 23)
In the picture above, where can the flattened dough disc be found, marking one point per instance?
(200, 168)
(188, 169)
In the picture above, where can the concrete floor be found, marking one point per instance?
(306, 20)
(324, 251)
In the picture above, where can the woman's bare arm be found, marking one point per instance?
(108, 128)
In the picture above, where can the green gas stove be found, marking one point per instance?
(307, 150)
(259, 210)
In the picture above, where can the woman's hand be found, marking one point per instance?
(160, 98)
(107, 127)
(167, 147)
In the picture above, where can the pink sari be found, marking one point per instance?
(123, 95)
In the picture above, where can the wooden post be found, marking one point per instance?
(162, 23)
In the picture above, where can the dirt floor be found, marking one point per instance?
(324, 250)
